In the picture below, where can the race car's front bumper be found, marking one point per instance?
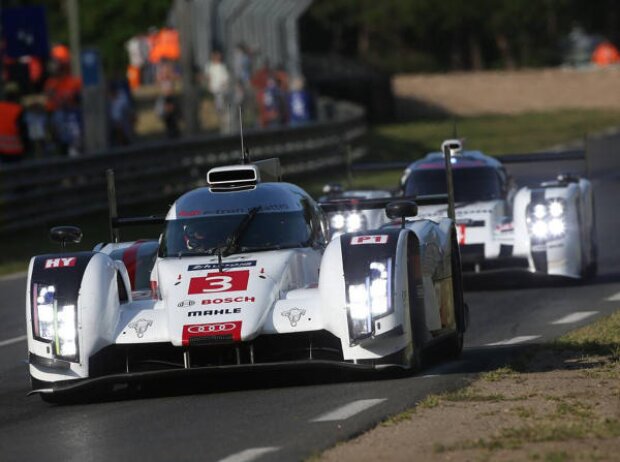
(176, 378)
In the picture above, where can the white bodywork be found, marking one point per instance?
(288, 291)
(501, 235)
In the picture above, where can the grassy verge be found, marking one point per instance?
(558, 402)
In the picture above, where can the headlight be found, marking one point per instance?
(354, 222)
(556, 209)
(540, 211)
(349, 222)
(546, 219)
(337, 221)
(54, 322)
(539, 229)
(369, 300)
(556, 227)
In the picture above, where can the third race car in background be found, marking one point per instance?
(549, 229)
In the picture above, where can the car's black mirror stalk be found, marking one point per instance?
(401, 209)
(66, 235)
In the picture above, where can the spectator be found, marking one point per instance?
(268, 100)
(299, 103)
(13, 138)
(166, 106)
(61, 87)
(218, 83)
(121, 115)
(67, 125)
(37, 125)
(218, 80)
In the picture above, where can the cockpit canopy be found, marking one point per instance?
(281, 216)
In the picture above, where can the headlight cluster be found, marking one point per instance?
(369, 299)
(348, 222)
(54, 322)
(546, 219)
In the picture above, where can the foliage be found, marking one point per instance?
(106, 25)
(404, 35)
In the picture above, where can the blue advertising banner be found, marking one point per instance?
(25, 31)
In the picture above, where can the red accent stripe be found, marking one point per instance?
(130, 256)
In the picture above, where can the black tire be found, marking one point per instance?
(454, 344)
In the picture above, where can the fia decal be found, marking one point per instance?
(294, 315)
(140, 326)
(230, 264)
(60, 262)
(371, 239)
(186, 303)
(232, 329)
(230, 281)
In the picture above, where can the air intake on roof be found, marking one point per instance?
(233, 176)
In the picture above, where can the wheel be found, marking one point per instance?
(454, 344)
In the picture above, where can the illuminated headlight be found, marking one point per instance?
(556, 227)
(556, 209)
(540, 211)
(337, 221)
(54, 322)
(546, 219)
(354, 222)
(369, 300)
(540, 229)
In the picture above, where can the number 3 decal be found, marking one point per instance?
(217, 284)
(229, 281)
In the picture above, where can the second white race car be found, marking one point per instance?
(549, 229)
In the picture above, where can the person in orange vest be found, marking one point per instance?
(605, 54)
(12, 127)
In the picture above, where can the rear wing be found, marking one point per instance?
(339, 205)
(117, 222)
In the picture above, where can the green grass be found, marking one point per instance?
(494, 135)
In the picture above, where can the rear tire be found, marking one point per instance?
(454, 344)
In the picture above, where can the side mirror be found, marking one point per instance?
(66, 235)
(401, 209)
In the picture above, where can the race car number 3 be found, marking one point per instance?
(229, 281)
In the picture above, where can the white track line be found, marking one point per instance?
(514, 340)
(348, 410)
(11, 341)
(249, 454)
(575, 317)
(614, 298)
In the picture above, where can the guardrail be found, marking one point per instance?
(53, 189)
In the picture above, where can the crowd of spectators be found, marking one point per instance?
(270, 97)
(42, 116)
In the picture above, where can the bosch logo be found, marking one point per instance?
(212, 328)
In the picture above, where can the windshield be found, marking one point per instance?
(204, 235)
(470, 184)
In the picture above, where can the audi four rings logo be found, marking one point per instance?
(212, 328)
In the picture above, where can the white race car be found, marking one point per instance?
(243, 276)
(549, 229)
(351, 218)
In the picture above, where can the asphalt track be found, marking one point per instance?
(293, 416)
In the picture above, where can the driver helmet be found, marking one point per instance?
(195, 235)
